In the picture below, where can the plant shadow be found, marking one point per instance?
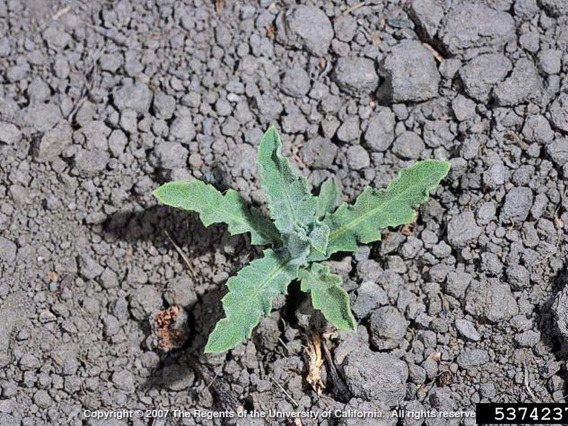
(163, 226)
(546, 320)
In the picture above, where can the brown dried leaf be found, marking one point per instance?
(315, 364)
(270, 31)
(168, 337)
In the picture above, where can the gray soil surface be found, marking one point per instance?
(102, 101)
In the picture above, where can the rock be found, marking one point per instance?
(559, 112)
(380, 131)
(358, 157)
(349, 130)
(408, 145)
(43, 117)
(560, 311)
(387, 327)
(555, 8)
(496, 174)
(117, 142)
(38, 91)
(134, 96)
(90, 162)
(66, 361)
(369, 297)
(95, 134)
(305, 27)
(472, 358)
(463, 230)
(550, 61)
(518, 277)
(180, 291)
(375, 376)
(294, 123)
(109, 279)
(356, 76)
(475, 27)
(29, 362)
(5, 47)
(8, 251)
(410, 74)
(223, 107)
(427, 14)
(42, 399)
(111, 62)
(522, 85)
(491, 300)
(9, 133)
(463, 108)
(183, 129)
(89, 268)
(345, 27)
(530, 41)
(491, 264)
(176, 377)
(537, 129)
(482, 73)
(111, 326)
(55, 38)
(53, 143)
(123, 380)
(557, 150)
(296, 82)
(164, 105)
(268, 107)
(416, 374)
(527, 339)
(171, 155)
(518, 203)
(319, 153)
(267, 334)
(467, 329)
(144, 302)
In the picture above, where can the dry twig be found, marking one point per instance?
(62, 12)
(352, 9)
(292, 400)
(180, 252)
(527, 385)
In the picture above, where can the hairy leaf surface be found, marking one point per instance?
(375, 209)
(292, 206)
(214, 207)
(328, 295)
(328, 197)
(250, 296)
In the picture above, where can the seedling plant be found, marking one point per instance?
(304, 231)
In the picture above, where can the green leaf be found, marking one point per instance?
(328, 295)
(250, 296)
(302, 247)
(375, 209)
(328, 197)
(214, 207)
(292, 206)
(319, 236)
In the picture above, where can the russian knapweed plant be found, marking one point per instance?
(304, 231)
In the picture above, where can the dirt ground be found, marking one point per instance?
(107, 298)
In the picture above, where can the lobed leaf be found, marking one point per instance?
(375, 209)
(328, 296)
(328, 197)
(250, 296)
(214, 207)
(292, 206)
